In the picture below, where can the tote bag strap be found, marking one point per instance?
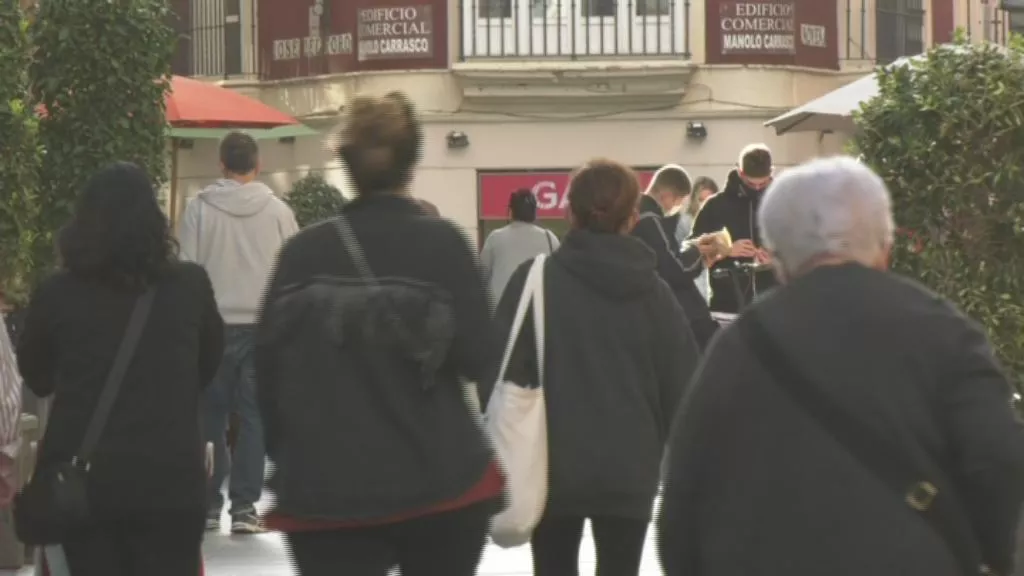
(533, 289)
(538, 315)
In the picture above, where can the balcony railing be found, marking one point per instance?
(575, 29)
(216, 38)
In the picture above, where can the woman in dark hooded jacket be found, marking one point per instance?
(618, 355)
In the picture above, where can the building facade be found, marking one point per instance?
(516, 93)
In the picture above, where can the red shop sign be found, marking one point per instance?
(550, 188)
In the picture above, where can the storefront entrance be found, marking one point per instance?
(549, 186)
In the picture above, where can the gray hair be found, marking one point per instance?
(828, 207)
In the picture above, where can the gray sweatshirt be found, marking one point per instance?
(235, 231)
(508, 247)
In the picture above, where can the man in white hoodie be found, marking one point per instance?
(235, 228)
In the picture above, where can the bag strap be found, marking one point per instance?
(354, 250)
(125, 353)
(532, 296)
(547, 236)
(925, 492)
(199, 230)
(538, 317)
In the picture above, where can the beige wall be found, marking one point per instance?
(567, 128)
(982, 20)
(448, 177)
(732, 102)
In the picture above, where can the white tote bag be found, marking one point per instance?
(517, 423)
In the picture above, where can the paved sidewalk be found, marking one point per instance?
(264, 555)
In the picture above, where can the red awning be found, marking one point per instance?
(195, 104)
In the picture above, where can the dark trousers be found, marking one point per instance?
(446, 544)
(153, 544)
(233, 390)
(619, 543)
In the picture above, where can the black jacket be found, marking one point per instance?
(678, 269)
(618, 356)
(734, 208)
(151, 453)
(350, 444)
(755, 485)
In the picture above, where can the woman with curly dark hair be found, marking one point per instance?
(145, 478)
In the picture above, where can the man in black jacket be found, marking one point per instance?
(735, 209)
(670, 186)
(776, 470)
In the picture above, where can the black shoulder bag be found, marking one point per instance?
(55, 503)
(414, 319)
(926, 492)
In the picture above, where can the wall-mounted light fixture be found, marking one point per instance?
(287, 140)
(457, 140)
(696, 131)
(186, 143)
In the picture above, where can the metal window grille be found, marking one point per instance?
(574, 28)
(217, 38)
(899, 29)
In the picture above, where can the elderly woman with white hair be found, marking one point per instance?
(851, 422)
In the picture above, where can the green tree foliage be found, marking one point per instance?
(19, 158)
(313, 200)
(946, 133)
(101, 71)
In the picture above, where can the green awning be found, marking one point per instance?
(292, 131)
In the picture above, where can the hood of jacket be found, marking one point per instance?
(649, 205)
(619, 266)
(735, 187)
(237, 199)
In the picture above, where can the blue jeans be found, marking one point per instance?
(233, 390)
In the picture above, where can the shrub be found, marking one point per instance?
(946, 133)
(101, 71)
(313, 199)
(19, 159)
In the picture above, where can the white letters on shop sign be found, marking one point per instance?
(813, 36)
(549, 197)
(759, 27)
(314, 44)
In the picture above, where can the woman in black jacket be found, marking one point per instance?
(371, 323)
(146, 478)
(618, 356)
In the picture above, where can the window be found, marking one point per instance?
(899, 30)
(652, 7)
(544, 8)
(494, 8)
(598, 8)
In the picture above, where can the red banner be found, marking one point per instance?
(550, 188)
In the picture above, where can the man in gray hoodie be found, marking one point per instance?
(508, 247)
(235, 228)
